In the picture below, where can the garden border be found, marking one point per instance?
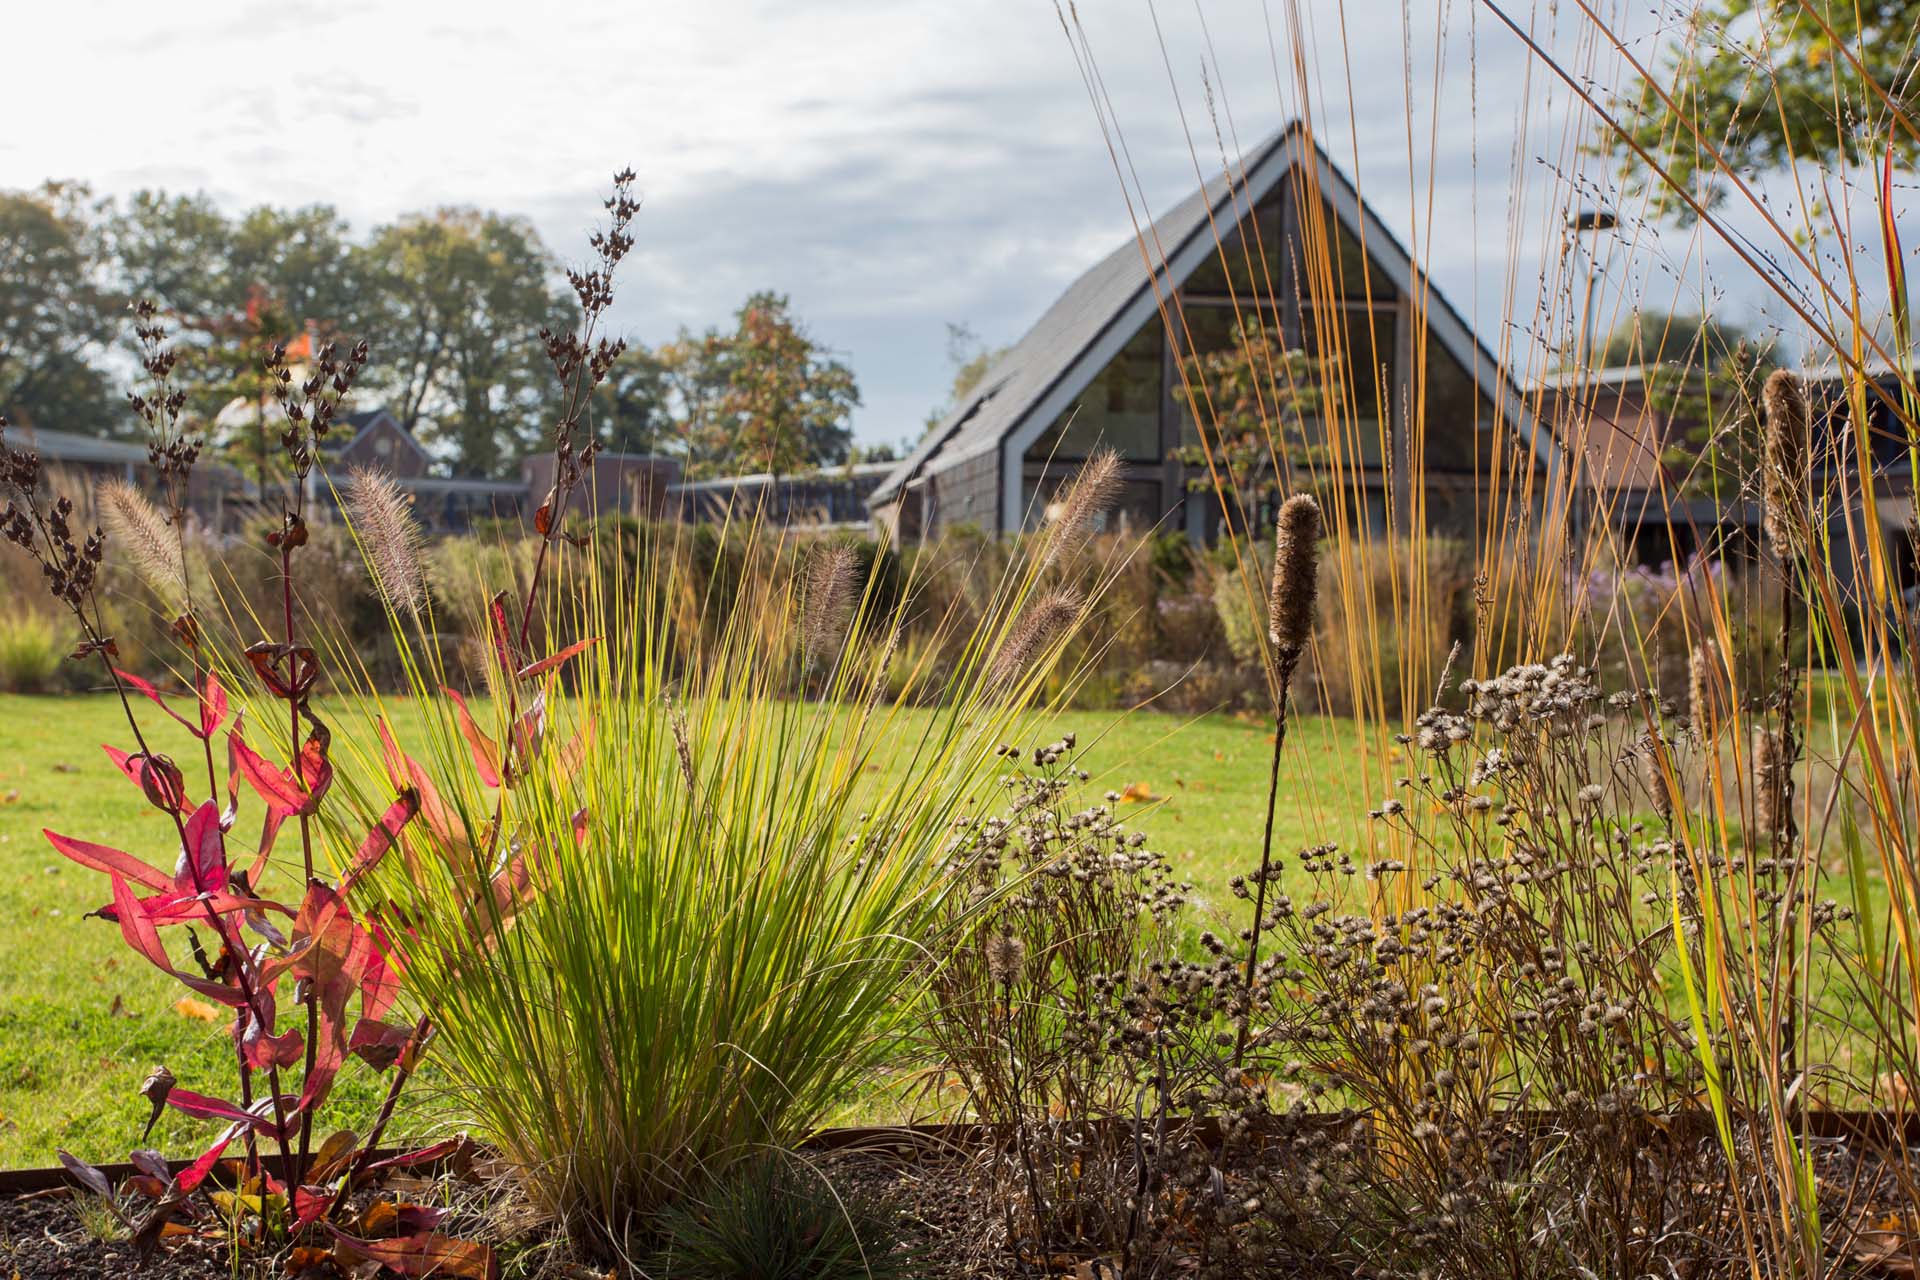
(1829, 1126)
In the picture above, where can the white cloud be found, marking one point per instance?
(894, 164)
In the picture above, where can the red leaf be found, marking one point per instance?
(94, 1180)
(213, 706)
(283, 794)
(196, 1173)
(309, 1204)
(136, 926)
(333, 962)
(549, 663)
(384, 835)
(159, 779)
(141, 686)
(486, 755)
(263, 1049)
(199, 1104)
(111, 861)
(203, 859)
(505, 649)
(427, 1255)
(406, 771)
(378, 1044)
(423, 1155)
(381, 985)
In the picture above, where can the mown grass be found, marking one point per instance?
(82, 1021)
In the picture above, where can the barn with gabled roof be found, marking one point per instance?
(1102, 366)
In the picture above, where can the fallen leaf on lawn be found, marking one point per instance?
(199, 1010)
(118, 1009)
(61, 766)
(1137, 793)
(12, 796)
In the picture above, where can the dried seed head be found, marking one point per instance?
(1654, 776)
(827, 599)
(1090, 495)
(1006, 955)
(1296, 579)
(683, 749)
(1044, 622)
(389, 538)
(153, 546)
(1783, 402)
(1772, 776)
(1703, 683)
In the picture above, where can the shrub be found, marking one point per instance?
(30, 652)
(775, 1218)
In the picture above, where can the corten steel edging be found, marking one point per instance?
(1871, 1127)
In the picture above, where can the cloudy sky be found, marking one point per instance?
(894, 165)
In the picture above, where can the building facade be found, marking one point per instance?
(1286, 238)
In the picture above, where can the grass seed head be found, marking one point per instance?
(1045, 621)
(151, 544)
(384, 519)
(1091, 495)
(1772, 769)
(832, 587)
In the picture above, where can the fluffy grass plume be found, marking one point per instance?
(390, 535)
(1045, 621)
(1296, 573)
(1784, 464)
(832, 588)
(151, 545)
(1090, 495)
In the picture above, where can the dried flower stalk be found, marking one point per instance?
(1088, 497)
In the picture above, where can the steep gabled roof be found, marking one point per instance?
(366, 421)
(1028, 386)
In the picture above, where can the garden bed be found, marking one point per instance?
(932, 1180)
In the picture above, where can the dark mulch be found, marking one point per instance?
(43, 1236)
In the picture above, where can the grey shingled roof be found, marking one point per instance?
(1017, 381)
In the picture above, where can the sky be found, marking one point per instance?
(893, 165)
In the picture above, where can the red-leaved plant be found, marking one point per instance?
(321, 953)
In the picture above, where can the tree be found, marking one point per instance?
(788, 402)
(174, 251)
(763, 397)
(304, 260)
(970, 358)
(461, 296)
(56, 313)
(1764, 82)
(1251, 399)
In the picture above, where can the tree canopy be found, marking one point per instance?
(452, 300)
(1765, 82)
(763, 396)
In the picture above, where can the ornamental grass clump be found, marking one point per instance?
(666, 912)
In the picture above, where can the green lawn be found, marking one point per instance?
(82, 1020)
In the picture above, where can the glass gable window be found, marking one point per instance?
(1120, 409)
(1246, 263)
